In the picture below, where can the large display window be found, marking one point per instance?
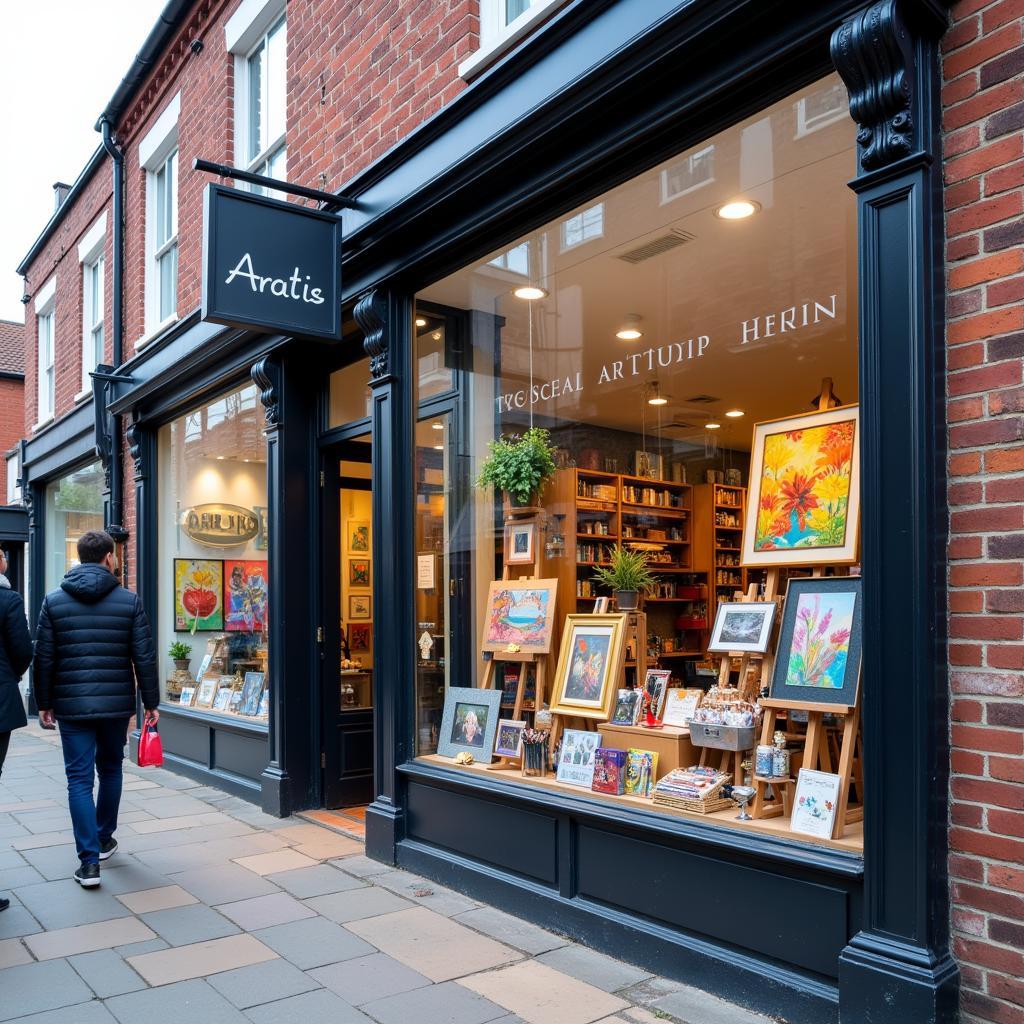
(74, 505)
(213, 536)
(671, 621)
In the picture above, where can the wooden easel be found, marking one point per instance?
(538, 661)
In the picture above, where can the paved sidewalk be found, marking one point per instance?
(212, 911)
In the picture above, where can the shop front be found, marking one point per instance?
(697, 246)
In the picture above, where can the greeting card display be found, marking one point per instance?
(576, 758)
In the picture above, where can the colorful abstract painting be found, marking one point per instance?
(821, 640)
(804, 500)
(520, 613)
(198, 594)
(590, 666)
(247, 590)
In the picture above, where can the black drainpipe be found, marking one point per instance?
(115, 511)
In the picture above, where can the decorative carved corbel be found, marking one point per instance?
(265, 375)
(371, 313)
(134, 437)
(874, 54)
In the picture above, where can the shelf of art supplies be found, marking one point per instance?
(852, 840)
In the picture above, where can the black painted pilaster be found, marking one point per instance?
(142, 446)
(898, 968)
(292, 742)
(385, 318)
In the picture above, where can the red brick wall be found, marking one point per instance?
(983, 115)
(12, 425)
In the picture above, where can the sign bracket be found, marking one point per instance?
(330, 202)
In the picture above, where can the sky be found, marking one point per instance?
(60, 62)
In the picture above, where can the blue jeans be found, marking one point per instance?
(93, 747)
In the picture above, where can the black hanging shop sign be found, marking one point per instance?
(272, 265)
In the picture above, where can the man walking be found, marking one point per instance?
(15, 657)
(91, 634)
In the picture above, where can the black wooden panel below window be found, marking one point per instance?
(800, 922)
(186, 737)
(240, 753)
(488, 831)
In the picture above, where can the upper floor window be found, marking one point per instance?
(90, 255)
(158, 154)
(13, 473)
(257, 35)
(693, 171)
(502, 24)
(583, 227)
(46, 351)
(824, 106)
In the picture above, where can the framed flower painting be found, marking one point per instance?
(803, 505)
(590, 661)
(819, 654)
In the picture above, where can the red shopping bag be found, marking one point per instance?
(151, 750)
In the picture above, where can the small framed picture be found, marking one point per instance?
(601, 605)
(359, 634)
(206, 693)
(358, 572)
(470, 721)
(742, 627)
(510, 737)
(655, 687)
(223, 701)
(815, 802)
(519, 542)
(188, 696)
(358, 537)
(680, 705)
(359, 606)
(252, 691)
(204, 666)
(577, 757)
(627, 707)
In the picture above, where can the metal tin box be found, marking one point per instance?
(722, 737)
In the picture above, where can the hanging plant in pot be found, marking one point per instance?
(628, 576)
(519, 466)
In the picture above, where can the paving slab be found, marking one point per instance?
(226, 883)
(81, 1013)
(33, 988)
(435, 946)
(182, 926)
(542, 995)
(318, 1006)
(447, 1003)
(188, 1002)
(164, 897)
(513, 931)
(16, 921)
(314, 942)
(200, 959)
(361, 866)
(368, 978)
(125, 874)
(53, 862)
(12, 878)
(319, 880)
(266, 911)
(85, 938)
(594, 968)
(357, 904)
(106, 973)
(271, 863)
(13, 952)
(262, 983)
(692, 1006)
(64, 904)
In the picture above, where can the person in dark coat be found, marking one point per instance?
(15, 658)
(93, 642)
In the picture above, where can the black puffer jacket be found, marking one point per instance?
(15, 657)
(90, 634)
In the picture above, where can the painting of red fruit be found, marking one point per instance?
(198, 594)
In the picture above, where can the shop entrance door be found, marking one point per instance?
(346, 648)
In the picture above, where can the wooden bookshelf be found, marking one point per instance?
(719, 510)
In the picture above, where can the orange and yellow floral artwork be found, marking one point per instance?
(804, 496)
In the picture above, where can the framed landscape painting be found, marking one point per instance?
(520, 613)
(744, 627)
(819, 655)
(803, 505)
(590, 662)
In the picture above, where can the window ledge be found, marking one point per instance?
(82, 395)
(477, 63)
(45, 422)
(161, 328)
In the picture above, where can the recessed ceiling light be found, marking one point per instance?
(712, 426)
(738, 209)
(220, 458)
(657, 400)
(438, 447)
(421, 322)
(436, 335)
(630, 330)
(437, 425)
(530, 292)
(734, 414)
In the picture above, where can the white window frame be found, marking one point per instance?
(13, 473)
(91, 255)
(46, 358)
(159, 144)
(498, 37)
(586, 237)
(808, 126)
(245, 32)
(667, 195)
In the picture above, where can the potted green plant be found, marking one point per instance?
(520, 466)
(627, 576)
(180, 654)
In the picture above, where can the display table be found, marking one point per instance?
(671, 743)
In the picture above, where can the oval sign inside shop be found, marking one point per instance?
(220, 525)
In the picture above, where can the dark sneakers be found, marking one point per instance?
(108, 848)
(4, 904)
(88, 876)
